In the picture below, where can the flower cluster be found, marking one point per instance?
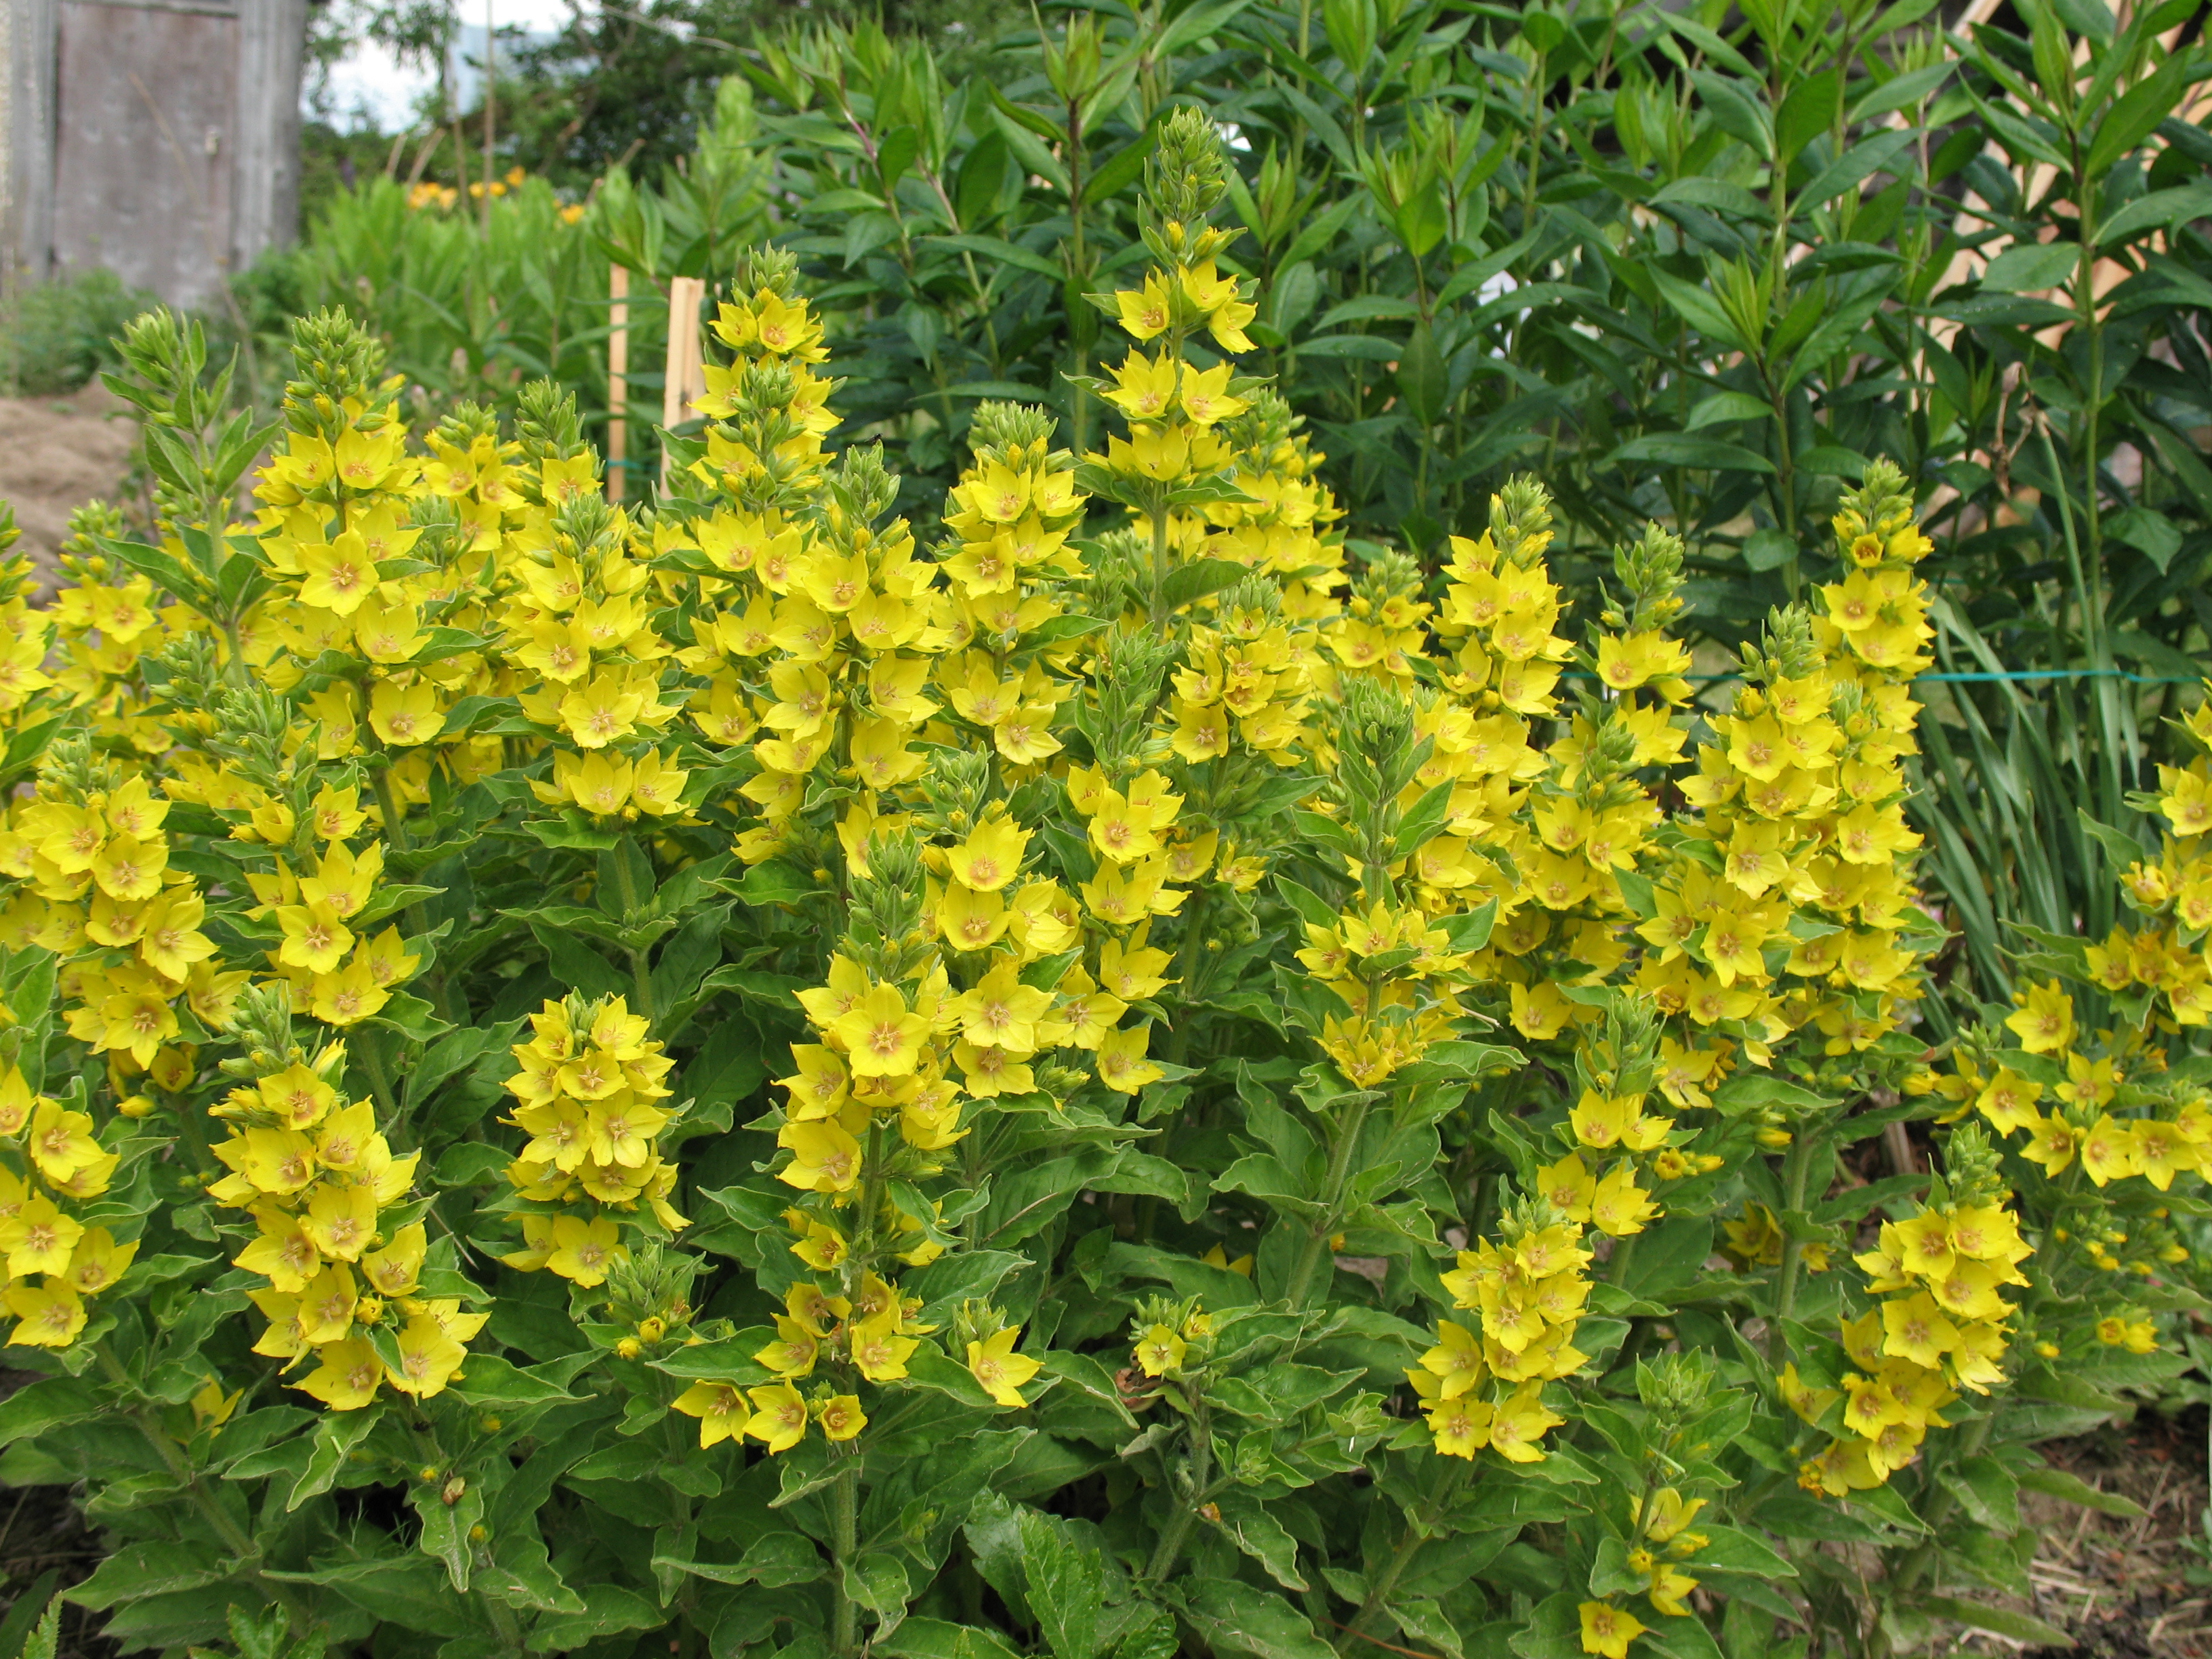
(55, 1262)
(588, 1086)
(335, 1239)
(1484, 1387)
(1940, 1327)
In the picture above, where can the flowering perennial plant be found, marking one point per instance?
(1105, 1073)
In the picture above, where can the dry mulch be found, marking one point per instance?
(2123, 1587)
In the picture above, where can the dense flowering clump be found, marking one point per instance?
(814, 1031)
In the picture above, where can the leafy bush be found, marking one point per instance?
(61, 333)
(1272, 1050)
(1691, 269)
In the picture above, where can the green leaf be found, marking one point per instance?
(934, 1638)
(997, 251)
(572, 831)
(44, 1640)
(445, 1527)
(45, 1404)
(31, 1619)
(490, 1381)
(1699, 308)
(1422, 376)
(2021, 1627)
(158, 1568)
(608, 1609)
(2031, 267)
(1988, 1491)
(1200, 579)
(879, 1583)
(1234, 1617)
(1066, 1582)
(576, 965)
(1680, 449)
(773, 1560)
(2072, 1489)
(1245, 1521)
(2160, 210)
(1731, 1549)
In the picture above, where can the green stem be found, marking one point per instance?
(1186, 1505)
(845, 1544)
(1339, 1170)
(1419, 1528)
(418, 919)
(1797, 1170)
(380, 1082)
(244, 1551)
(1914, 1567)
(641, 966)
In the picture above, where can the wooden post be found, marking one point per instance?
(617, 382)
(685, 376)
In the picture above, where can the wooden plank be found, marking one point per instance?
(265, 155)
(685, 374)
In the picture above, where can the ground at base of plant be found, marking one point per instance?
(56, 454)
(2124, 1588)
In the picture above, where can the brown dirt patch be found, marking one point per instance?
(58, 454)
(2123, 1587)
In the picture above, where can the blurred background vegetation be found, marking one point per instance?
(1698, 262)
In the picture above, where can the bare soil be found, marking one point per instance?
(2127, 1588)
(58, 454)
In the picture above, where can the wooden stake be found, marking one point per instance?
(617, 382)
(685, 377)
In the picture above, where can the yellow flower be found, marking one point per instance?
(395, 1270)
(1461, 1426)
(39, 1238)
(882, 1036)
(720, 1409)
(1668, 1586)
(824, 1158)
(171, 941)
(349, 996)
(2108, 1151)
(840, 1416)
(583, 1250)
(128, 870)
(340, 574)
(1147, 313)
(779, 1417)
(428, 1357)
(347, 1378)
(60, 1141)
(49, 1316)
(1456, 1360)
(1618, 1206)
(1000, 1012)
(341, 1221)
(405, 715)
(1001, 1371)
(98, 1262)
(1607, 1630)
(315, 938)
(1160, 1350)
(879, 1350)
(2045, 1023)
(1122, 1063)
(991, 856)
(1521, 1423)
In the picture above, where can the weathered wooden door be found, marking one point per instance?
(142, 155)
(158, 138)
